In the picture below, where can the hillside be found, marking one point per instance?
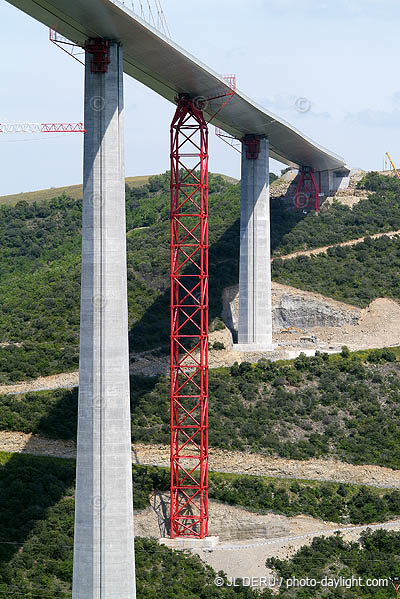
(376, 556)
(40, 265)
(36, 539)
(71, 191)
(343, 406)
(36, 525)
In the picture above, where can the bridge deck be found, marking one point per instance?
(160, 64)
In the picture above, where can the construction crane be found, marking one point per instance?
(42, 128)
(392, 163)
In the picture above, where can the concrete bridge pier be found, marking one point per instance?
(255, 312)
(332, 181)
(104, 566)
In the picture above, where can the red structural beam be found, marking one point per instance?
(63, 128)
(307, 191)
(189, 321)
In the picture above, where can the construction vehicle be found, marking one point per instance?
(293, 330)
(394, 168)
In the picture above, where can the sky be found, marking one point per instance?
(338, 55)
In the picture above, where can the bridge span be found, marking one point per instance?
(117, 40)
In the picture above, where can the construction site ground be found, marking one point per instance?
(378, 326)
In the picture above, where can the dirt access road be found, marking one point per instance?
(325, 248)
(222, 461)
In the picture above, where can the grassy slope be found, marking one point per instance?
(36, 538)
(357, 274)
(36, 524)
(72, 191)
(40, 274)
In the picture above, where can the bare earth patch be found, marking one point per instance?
(222, 461)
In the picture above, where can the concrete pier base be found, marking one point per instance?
(104, 566)
(252, 347)
(180, 543)
(255, 311)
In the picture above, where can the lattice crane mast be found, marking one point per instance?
(42, 128)
(392, 163)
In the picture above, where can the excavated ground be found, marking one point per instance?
(222, 461)
(323, 323)
(247, 539)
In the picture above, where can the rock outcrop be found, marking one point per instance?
(294, 308)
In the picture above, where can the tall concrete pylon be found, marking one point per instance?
(104, 565)
(255, 311)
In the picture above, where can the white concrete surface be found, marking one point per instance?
(104, 543)
(180, 543)
(255, 310)
(168, 69)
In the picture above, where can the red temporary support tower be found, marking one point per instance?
(307, 189)
(189, 321)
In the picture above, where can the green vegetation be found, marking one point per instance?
(36, 538)
(37, 510)
(378, 214)
(376, 556)
(332, 502)
(357, 274)
(346, 406)
(40, 265)
(40, 274)
(72, 191)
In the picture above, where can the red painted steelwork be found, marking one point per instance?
(189, 321)
(307, 189)
(100, 51)
(63, 128)
(252, 145)
(42, 128)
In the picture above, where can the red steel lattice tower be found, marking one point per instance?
(307, 191)
(189, 321)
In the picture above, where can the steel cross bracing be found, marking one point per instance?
(307, 191)
(42, 128)
(189, 321)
